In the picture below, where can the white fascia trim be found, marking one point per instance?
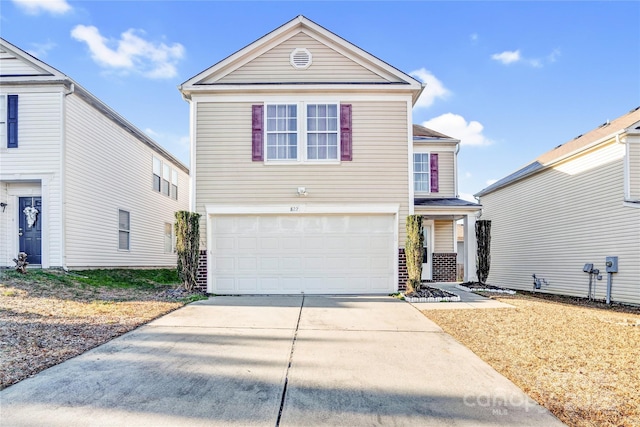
(298, 96)
(302, 209)
(447, 211)
(420, 148)
(339, 87)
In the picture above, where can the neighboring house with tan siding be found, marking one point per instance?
(303, 168)
(575, 205)
(99, 192)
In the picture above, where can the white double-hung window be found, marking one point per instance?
(421, 172)
(302, 132)
(282, 132)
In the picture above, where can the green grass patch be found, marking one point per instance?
(110, 278)
(124, 278)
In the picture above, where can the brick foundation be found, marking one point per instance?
(201, 275)
(444, 267)
(403, 275)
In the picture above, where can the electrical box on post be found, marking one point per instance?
(611, 264)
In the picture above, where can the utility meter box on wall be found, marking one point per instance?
(611, 264)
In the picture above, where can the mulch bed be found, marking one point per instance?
(430, 294)
(483, 287)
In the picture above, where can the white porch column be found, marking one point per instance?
(470, 248)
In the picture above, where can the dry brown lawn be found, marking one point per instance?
(580, 360)
(47, 318)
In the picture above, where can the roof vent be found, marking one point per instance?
(300, 58)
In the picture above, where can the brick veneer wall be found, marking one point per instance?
(403, 275)
(444, 267)
(201, 275)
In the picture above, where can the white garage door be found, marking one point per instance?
(287, 254)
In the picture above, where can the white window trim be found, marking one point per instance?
(413, 165)
(128, 231)
(302, 134)
(173, 239)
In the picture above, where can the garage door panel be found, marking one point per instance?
(247, 243)
(303, 253)
(269, 243)
(246, 284)
(225, 243)
(224, 264)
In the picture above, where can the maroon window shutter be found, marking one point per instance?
(345, 132)
(257, 138)
(434, 173)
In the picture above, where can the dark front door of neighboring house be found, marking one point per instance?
(30, 230)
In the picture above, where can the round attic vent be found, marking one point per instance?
(300, 58)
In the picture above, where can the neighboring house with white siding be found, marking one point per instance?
(303, 169)
(575, 205)
(100, 192)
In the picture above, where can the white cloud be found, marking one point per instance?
(491, 181)
(473, 37)
(434, 88)
(468, 175)
(34, 7)
(507, 57)
(511, 57)
(40, 50)
(454, 125)
(553, 56)
(133, 53)
(152, 133)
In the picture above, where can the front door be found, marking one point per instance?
(426, 254)
(30, 231)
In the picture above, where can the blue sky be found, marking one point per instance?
(512, 80)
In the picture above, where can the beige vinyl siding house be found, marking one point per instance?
(566, 209)
(87, 171)
(302, 150)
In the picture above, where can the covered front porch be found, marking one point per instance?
(441, 237)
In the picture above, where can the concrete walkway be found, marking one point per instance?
(288, 361)
(468, 300)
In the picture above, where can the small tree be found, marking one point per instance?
(483, 254)
(187, 229)
(413, 250)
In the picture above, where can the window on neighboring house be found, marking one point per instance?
(166, 177)
(174, 184)
(168, 238)
(421, 172)
(124, 230)
(157, 170)
(9, 120)
(302, 132)
(3, 118)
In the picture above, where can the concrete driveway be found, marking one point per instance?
(286, 361)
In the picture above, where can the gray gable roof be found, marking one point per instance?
(580, 143)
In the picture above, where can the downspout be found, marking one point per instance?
(626, 172)
(455, 169)
(63, 154)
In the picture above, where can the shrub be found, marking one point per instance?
(413, 251)
(187, 229)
